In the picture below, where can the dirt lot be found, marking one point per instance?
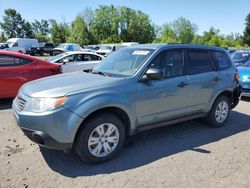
(183, 155)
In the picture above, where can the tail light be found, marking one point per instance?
(57, 70)
(236, 76)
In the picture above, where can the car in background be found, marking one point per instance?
(22, 45)
(66, 47)
(240, 57)
(42, 48)
(88, 49)
(76, 61)
(244, 79)
(105, 50)
(17, 69)
(132, 90)
(5, 46)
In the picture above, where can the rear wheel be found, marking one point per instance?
(219, 112)
(100, 138)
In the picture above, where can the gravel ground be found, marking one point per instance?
(189, 154)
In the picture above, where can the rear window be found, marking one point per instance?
(8, 61)
(222, 60)
(199, 61)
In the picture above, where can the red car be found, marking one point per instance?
(16, 69)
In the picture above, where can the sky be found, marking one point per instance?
(226, 15)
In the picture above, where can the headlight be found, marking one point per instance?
(39, 105)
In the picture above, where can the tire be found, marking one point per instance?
(88, 151)
(217, 117)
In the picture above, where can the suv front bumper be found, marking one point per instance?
(54, 129)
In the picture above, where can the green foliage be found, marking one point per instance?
(12, 23)
(247, 31)
(110, 24)
(79, 32)
(59, 32)
(27, 31)
(2, 37)
(180, 31)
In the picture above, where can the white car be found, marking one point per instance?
(66, 47)
(76, 61)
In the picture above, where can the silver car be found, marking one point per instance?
(76, 61)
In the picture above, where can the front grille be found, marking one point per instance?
(19, 103)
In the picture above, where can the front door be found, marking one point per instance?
(166, 99)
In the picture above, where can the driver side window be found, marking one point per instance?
(70, 58)
(171, 63)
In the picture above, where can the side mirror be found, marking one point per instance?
(153, 74)
(65, 61)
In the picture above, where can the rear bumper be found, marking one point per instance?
(236, 96)
(245, 89)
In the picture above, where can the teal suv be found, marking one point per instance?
(134, 89)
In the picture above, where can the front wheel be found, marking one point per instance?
(100, 138)
(219, 112)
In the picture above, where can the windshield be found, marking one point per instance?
(124, 62)
(247, 64)
(41, 44)
(54, 58)
(61, 46)
(236, 56)
(10, 43)
(105, 48)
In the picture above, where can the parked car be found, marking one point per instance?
(105, 50)
(76, 61)
(244, 77)
(240, 57)
(5, 47)
(22, 45)
(17, 69)
(61, 48)
(42, 48)
(134, 89)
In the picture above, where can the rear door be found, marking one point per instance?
(203, 79)
(12, 75)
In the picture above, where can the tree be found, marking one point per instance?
(2, 37)
(79, 32)
(247, 31)
(12, 23)
(184, 30)
(88, 15)
(105, 25)
(27, 30)
(59, 32)
(41, 27)
(168, 35)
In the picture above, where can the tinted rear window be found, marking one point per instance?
(222, 60)
(8, 61)
(199, 61)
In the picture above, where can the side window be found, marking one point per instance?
(199, 61)
(173, 63)
(170, 62)
(71, 58)
(90, 57)
(222, 60)
(8, 61)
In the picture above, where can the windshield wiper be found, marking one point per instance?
(99, 72)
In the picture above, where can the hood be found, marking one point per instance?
(103, 51)
(244, 71)
(61, 49)
(63, 84)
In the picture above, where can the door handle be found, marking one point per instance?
(182, 84)
(216, 79)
